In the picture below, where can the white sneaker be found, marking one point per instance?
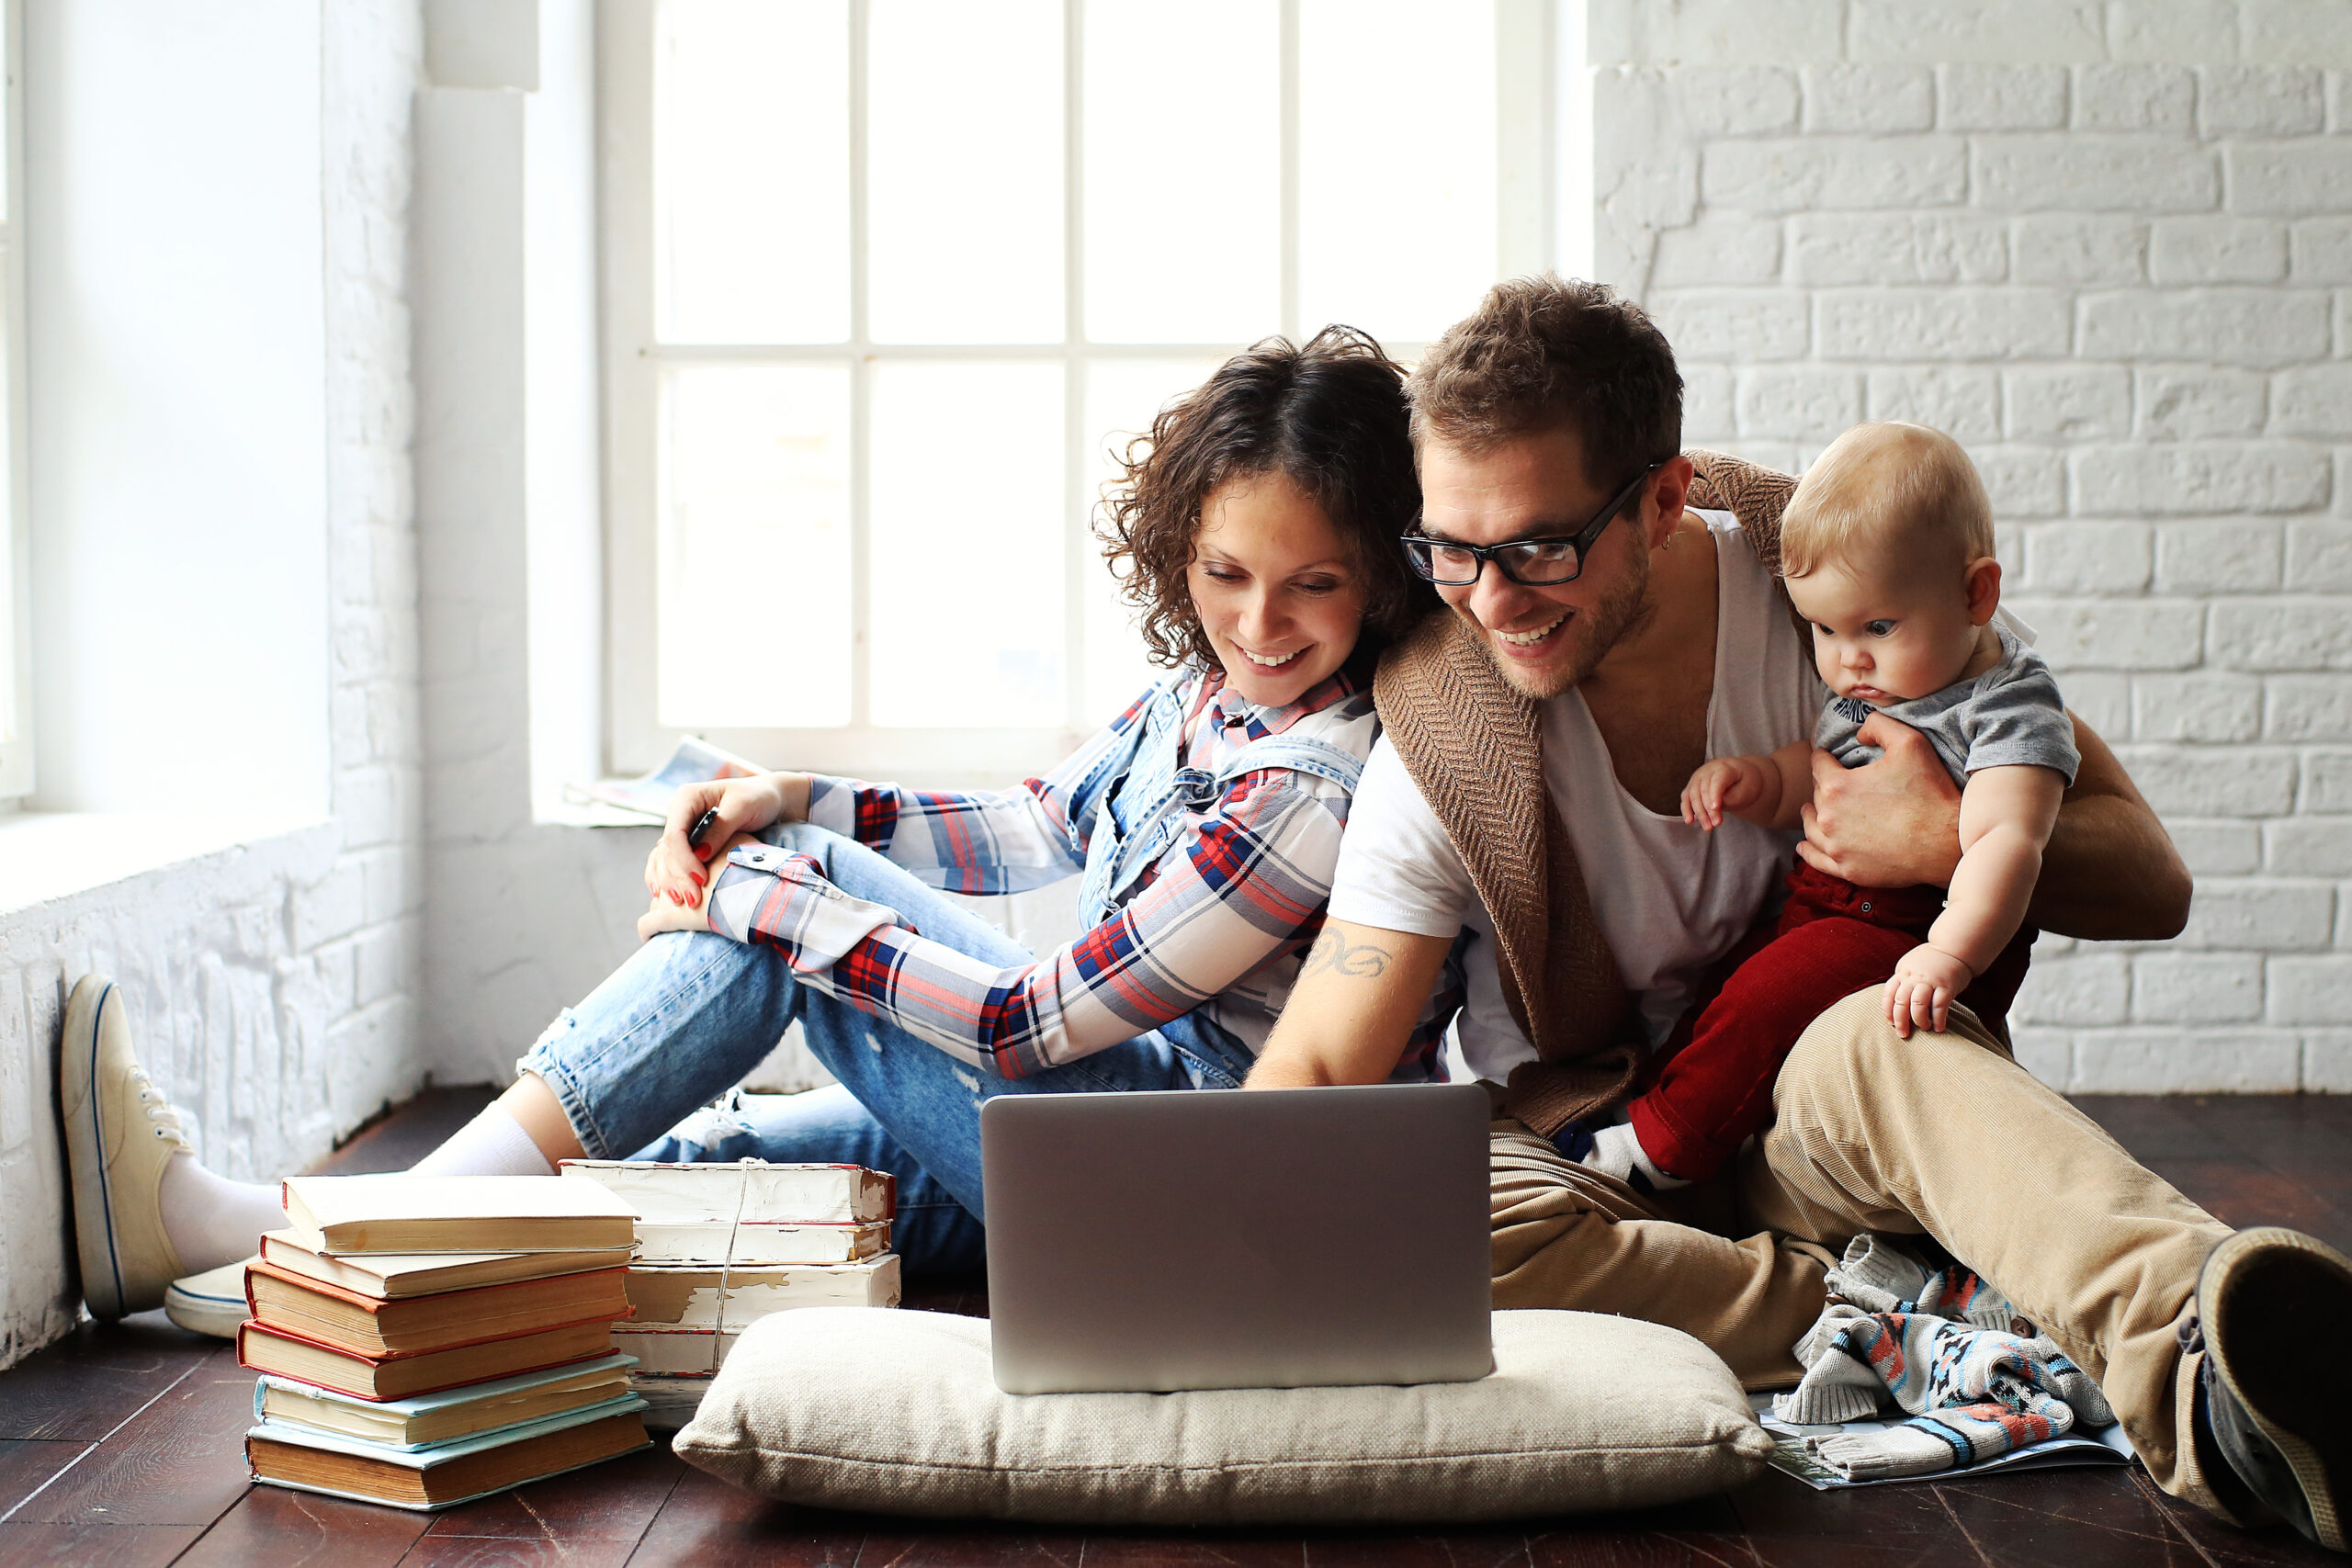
(211, 1303)
(119, 1135)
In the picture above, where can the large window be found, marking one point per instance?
(16, 664)
(889, 280)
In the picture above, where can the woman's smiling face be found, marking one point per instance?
(1275, 590)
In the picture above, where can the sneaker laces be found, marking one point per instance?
(161, 1113)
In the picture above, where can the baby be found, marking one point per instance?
(1887, 551)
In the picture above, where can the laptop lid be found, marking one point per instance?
(1153, 1241)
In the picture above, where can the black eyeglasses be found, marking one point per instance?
(1536, 563)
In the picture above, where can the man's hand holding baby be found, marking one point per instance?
(1892, 823)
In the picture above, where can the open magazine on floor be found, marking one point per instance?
(695, 760)
(2108, 1446)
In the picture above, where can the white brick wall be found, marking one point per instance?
(2109, 246)
(273, 986)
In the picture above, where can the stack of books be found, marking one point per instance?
(425, 1341)
(721, 1247)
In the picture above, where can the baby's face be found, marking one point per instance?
(1882, 638)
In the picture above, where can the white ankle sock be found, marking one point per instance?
(492, 1144)
(1619, 1151)
(211, 1220)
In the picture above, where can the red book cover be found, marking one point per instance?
(250, 1328)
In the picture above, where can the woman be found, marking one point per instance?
(1258, 524)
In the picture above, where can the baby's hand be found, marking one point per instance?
(1719, 786)
(1924, 986)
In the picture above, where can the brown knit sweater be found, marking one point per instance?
(1474, 747)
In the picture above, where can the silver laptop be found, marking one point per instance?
(1147, 1242)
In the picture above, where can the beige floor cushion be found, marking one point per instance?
(896, 1412)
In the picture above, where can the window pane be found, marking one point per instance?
(1397, 164)
(964, 146)
(751, 174)
(755, 502)
(1183, 177)
(9, 522)
(1121, 399)
(968, 562)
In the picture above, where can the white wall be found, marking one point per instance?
(2107, 247)
(225, 590)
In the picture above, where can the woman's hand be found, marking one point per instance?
(665, 914)
(677, 871)
(670, 914)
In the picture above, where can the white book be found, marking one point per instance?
(675, 1352)
(686, 1295)
(758, 1241)
(669, 1402)
(747, 1189)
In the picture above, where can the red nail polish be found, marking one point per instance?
(700, 880)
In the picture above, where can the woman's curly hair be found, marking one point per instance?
(1331, 418)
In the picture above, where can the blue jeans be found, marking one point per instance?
(690, 1013)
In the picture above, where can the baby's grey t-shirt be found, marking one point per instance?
(2010, 714)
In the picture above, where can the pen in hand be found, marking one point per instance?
(702, 825)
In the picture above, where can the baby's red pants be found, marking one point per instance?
(1831, 940)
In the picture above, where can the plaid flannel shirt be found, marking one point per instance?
(1220, 922)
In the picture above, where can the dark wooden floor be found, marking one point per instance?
(121, 1446)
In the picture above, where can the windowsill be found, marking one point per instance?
(48, 855)
(589, 814)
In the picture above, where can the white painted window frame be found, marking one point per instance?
(634, 360)
(16, 543)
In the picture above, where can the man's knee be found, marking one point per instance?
(1851, 1039)
(1853, 1043)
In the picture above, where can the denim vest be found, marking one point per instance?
(1146, 810)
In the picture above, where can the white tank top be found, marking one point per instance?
(1670, 899)
(1673, 899)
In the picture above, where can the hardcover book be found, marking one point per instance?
(339, 1215)
(430, 1420)
(686, 1295)
(366, 1326)
(752, 1190)
(282, 1354)
(676, 1352)
(452, 1474)
(760, 1242)
(393, 1276)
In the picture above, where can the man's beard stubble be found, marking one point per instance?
(1625, 609)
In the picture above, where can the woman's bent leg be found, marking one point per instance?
(932, 1232)
(928, 1100)
(672, 1029)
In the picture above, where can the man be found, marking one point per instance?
(1525, 792)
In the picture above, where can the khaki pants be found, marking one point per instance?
(1941, 1134)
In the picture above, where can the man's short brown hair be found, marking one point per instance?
(1544, 352)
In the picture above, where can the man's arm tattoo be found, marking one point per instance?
(1363, 961)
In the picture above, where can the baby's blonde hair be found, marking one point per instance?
(1887, 495)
